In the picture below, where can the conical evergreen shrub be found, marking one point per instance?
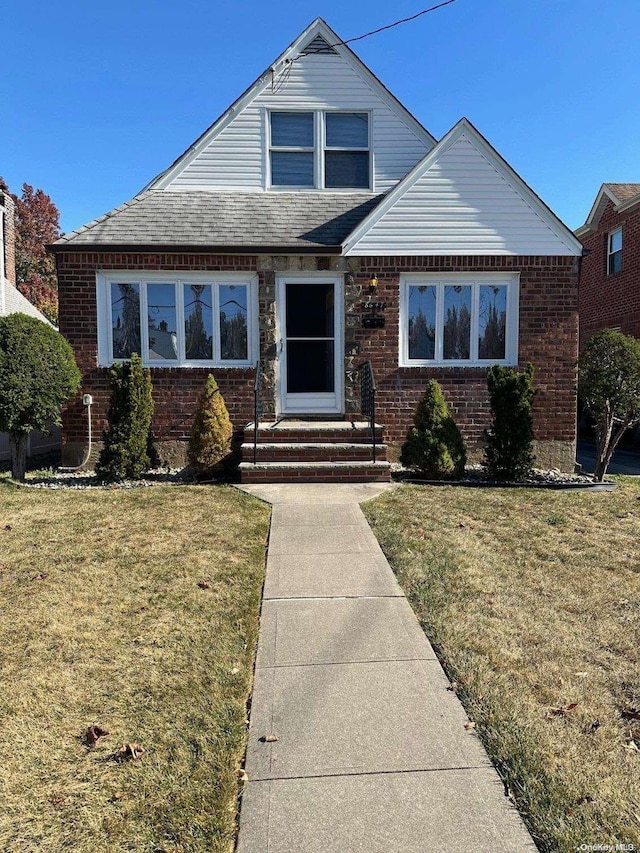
(126, 439)
(434, 444)
(211, 432)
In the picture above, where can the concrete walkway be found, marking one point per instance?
(372, 753)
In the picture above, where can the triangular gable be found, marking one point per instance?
(462, 199)
(317, 41)
(606, 194)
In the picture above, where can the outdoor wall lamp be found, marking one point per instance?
(373, 283)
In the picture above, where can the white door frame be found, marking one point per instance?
(312, 403)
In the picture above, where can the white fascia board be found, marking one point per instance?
(464, 127)
(319, 27)
(593, 218)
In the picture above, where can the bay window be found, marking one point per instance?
(458, 319)
(320, 150)
(198, 319)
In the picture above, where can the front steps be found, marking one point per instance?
(298, 451)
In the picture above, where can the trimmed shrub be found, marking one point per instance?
(509, 439)
(211, 433)
(124, 454)
(434, 444)
(609, 389)
(37, 374)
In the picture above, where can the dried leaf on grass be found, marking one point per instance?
(204, 584)
(562, 710)
(470, 725)
(41, 576)
(94, 733)
(129, 752)
(242, 775)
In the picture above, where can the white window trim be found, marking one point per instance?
(475, 280)
(319, 137)
(104, 279)
(610, 253)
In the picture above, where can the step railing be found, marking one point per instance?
(368, 400)
(257, 409)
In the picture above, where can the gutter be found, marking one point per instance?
(147, 248)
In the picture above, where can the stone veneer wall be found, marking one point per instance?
(548, 338)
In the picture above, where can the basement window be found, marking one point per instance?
(320, 150)
(201, 320)
(614, 253)
(458, 320)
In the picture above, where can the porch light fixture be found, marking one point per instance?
(373, 283)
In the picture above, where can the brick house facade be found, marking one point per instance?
(610, 298)
(407, 270)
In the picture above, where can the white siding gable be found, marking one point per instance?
(463, 199)
(232, 154)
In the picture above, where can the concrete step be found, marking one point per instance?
(312, 432)
(340, 451)
(315, 472)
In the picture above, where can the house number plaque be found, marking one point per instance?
(373, 314)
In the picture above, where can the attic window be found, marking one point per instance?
(614, 254)
(321, 150)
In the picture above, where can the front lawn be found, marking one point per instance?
(136, 610)
(532, 601)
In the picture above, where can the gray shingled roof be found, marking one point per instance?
(244, 220)
(16, 303)
(623, 192)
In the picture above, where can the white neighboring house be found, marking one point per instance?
(13, 302)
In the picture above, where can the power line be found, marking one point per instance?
(394, 24)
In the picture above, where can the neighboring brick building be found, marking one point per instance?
(610, 275)
(317, 226)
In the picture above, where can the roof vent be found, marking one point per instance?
(318, 45)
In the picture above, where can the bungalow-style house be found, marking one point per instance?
(315, 238)
(610, 276)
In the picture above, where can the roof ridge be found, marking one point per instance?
(65, 238)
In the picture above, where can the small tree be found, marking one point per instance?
(434, 444)
(509, 439)
(37, 374)
(126, 439)
(609, 387)
(211, 433)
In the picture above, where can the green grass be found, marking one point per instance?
(532, 601)
(104, 622)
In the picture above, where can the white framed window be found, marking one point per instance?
(319, 149)
(614, 251)
(458, 319)
(185, 320)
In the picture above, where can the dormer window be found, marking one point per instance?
(320, 150)
(614, 254)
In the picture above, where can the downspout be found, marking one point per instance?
(87, 400)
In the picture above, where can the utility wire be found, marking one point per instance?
(279, 83)
(394, 24)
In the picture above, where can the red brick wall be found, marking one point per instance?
(611, 300)
(548, 337)
(174, 390)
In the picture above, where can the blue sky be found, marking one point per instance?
(97, 98)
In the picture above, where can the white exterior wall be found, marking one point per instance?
(235, 159)
(463, 204)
